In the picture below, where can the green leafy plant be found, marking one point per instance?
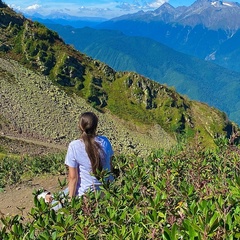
(187, 193)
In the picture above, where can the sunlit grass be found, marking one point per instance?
(9, 155)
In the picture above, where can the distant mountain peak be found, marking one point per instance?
(212, 14)
(166, 7)
(218, 3)
(165, 12)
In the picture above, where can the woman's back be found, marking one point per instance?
(85, 157)
(77, 157)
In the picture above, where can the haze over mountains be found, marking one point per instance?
(67, 20)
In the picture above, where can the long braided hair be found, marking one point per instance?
(88, 122)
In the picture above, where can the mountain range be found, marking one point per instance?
(45, 84)
(66, 20)
(212, 14)
(206, 29)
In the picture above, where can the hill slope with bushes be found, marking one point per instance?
(198, 79)
(49, 83)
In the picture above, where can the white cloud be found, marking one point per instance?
(140, 5)
(33, 7)
(127, 6)
(97, 8)
(94, 11)
(156, 4)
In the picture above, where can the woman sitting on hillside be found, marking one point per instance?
(85, 157)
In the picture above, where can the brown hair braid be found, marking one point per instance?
(88, 122)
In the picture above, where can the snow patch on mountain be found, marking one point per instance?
(211, 56)
(220, 3)
(227, 4)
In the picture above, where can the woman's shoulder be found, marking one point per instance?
(75, 142)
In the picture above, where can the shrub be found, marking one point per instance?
(185, 193)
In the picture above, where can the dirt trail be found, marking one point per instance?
(37, 142)
(18, 199)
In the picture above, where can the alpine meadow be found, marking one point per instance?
(176, 162)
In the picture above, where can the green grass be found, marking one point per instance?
(4, 154)
(14, 168)
(153, 60)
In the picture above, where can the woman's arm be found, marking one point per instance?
(72, 181)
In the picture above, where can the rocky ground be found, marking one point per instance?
(34, 108)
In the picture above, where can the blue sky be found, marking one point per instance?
(92, 8)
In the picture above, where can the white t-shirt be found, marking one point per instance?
(77, 158)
